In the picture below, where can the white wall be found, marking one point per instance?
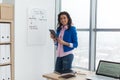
(8, 1)
(33, 61)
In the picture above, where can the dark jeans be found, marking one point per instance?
(64, 64)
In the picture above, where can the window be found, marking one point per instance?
(108, 30)
(81, 53)
(80, 15)
(79, 12)
(98, 28)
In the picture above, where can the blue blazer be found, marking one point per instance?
(70, 36)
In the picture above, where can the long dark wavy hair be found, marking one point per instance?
(69, 19)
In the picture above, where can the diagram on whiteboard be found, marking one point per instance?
(36, 26)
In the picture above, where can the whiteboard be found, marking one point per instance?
(36, 26)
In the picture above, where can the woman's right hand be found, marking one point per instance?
(53, 37)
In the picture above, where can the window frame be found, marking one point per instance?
(92, 31)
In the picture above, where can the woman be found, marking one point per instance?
(66, 42)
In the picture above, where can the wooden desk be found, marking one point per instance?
(81, 75)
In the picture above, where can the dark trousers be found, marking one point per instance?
(64, 64)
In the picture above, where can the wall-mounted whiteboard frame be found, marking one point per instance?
(36, 26)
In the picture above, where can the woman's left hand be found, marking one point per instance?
(63, 42)
(60, 41)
